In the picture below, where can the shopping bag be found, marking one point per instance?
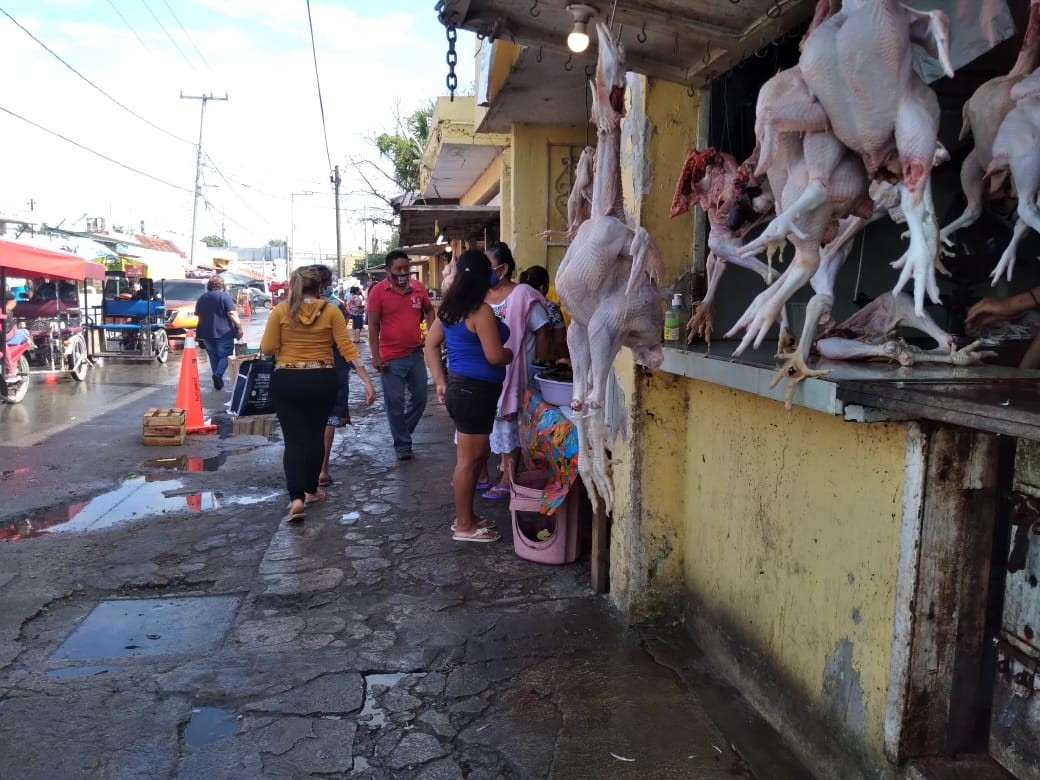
(252, 393)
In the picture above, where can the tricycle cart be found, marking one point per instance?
(130, 325)
(50, 325)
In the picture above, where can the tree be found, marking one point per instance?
(400, 161)
(276, 242)
(215, 241)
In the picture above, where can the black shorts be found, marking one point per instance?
(472, 403)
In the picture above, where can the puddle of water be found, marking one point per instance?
(360, 764)
(248, 500)
(209, 725)
(350, 517)
(190, 463)
(130, 628)
(371, 713)
(135, 499)
(69, 672)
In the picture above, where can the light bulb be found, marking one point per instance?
(578, 40)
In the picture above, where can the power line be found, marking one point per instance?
(196, 48)
(163, 27)
(317, 80)
(93, 152)
(91, 83)
(212, 207)
(131, 29)
(233, 190)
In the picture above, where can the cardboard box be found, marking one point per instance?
(255, 425)
(163, 427)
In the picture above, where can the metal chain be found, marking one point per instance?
(452, 58)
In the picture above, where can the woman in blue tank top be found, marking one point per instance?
(474, 338)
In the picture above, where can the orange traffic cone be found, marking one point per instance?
(189, 392)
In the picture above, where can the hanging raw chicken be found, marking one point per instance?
(607, 279)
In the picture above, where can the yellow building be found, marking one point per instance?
(842, 564)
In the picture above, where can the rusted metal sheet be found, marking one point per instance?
(949, 608)
(1015, 726)
(685, 41)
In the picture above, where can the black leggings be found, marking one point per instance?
(303, 400)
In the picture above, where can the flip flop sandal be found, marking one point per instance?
(479, 535)
(321, 495)
(324, 482)
(496, 493)
(480, 487)
(482, 522)
(294, 517)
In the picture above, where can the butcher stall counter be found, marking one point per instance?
(995, 399)
(828, 556)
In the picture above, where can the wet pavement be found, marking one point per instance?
(172, 626)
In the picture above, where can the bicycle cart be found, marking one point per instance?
(49, 326)
(130, 326)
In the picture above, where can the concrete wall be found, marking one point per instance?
(776, 535)
(529, 196)
(791, 543)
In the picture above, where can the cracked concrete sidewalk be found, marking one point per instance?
(364, 643)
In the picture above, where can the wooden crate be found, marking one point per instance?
(163, 427)
(255, 425)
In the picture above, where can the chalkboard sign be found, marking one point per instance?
(252, 393)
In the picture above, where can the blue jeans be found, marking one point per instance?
(404, 373)
(219, 350)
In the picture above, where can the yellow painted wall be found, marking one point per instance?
(530, 191)
(791, 533)
(647, 532)
(660, 126)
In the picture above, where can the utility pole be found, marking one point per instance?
(198, 167)
(339, 249)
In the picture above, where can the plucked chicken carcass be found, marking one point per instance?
(1016, 150)
(817, 182)
(858, 65)
(983, 114)
(713, 180)
(606, 280)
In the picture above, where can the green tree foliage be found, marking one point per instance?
(404, 147)
(215, 241)
(276, 242)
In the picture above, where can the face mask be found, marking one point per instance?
(400, 278)
(494, 277)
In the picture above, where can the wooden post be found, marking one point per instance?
(600, 551)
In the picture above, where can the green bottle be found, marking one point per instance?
(673, 320)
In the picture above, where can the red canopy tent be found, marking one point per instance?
(19, 259)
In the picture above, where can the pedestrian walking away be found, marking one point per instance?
(340, 415)
(477, 358)
(301, 333)
(356, 311)
(218, 327)
(396, 306)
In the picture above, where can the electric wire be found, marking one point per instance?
(174, 42)
(131, 29)
(321, 103)
(212, 207)
(93, 152)
(126, 108)
(186, 35)
(233, 190)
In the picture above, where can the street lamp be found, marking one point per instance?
(292, 229)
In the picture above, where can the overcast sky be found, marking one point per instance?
(266, 140)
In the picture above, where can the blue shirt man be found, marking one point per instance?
(218, 327)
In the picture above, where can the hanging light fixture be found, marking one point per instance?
(578, 40)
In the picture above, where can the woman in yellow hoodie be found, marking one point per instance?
(301, 333)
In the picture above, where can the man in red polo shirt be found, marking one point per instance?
(396, 306)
